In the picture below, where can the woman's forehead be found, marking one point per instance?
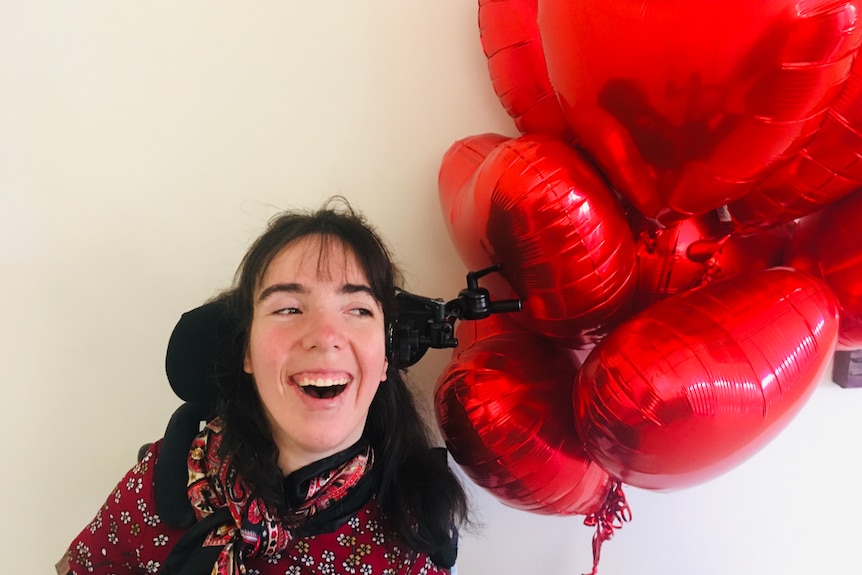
(322, 258)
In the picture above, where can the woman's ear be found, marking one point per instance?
(246, 362)
(385, 369)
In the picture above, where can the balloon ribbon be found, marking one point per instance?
(613, 513)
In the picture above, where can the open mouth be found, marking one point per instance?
(323, 388)
(323, 392)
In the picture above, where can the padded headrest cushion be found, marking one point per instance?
(200, 344)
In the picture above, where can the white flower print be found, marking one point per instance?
(151, 520)
(142, 505)
(152, 566)
(142, 464)
(125, 517)
(96, 523)
(366, 569)
(307, 560)
(393, 555)
(346, 540)
(328, 556)
(353, 522)
(426, 568)
(82, 550)
(273, 559)
(160, 540)
(327, 569)
(293, 570)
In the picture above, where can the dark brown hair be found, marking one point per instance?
(416, 489)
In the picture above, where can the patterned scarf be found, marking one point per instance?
(215, 484)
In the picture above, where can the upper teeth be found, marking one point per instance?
(320, 382)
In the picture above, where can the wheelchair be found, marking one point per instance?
(203, 341)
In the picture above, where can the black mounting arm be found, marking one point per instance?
(424, 323)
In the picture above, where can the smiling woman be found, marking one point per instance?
(316, 349)
(317, 459)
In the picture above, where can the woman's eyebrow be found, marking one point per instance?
(297, 288)
(356, 288)
(276, 288)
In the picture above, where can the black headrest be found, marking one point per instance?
(203, 341)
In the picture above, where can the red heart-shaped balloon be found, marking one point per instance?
(516, 65)
(538, 208)
(675, 258)
(466, 221)
(695, 384)
(826, 169)
(503, 408)
(699, 250)
(741, 255)
(801, 253)
(838, 255)
(685, 106)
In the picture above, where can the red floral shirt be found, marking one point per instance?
(127, 537)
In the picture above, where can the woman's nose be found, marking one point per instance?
(322, 331)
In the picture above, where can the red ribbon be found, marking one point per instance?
(613, 513)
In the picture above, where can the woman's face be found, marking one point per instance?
(316, 350)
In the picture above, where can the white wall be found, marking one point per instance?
(144, 144)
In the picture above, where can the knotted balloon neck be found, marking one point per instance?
(611, 515)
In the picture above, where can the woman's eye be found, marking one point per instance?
(362, 311)
(288, 311)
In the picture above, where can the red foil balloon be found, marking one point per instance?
(685, 106)
(516, 64)
(503, 408)
(699, 250)
(456, 181)
(460, 166)
(675, 259)
(698, 382)
(742, 255)
(801, 253)
(839, 257)
(535, 206)
(826, 169)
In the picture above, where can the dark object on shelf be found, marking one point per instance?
(847, 368)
